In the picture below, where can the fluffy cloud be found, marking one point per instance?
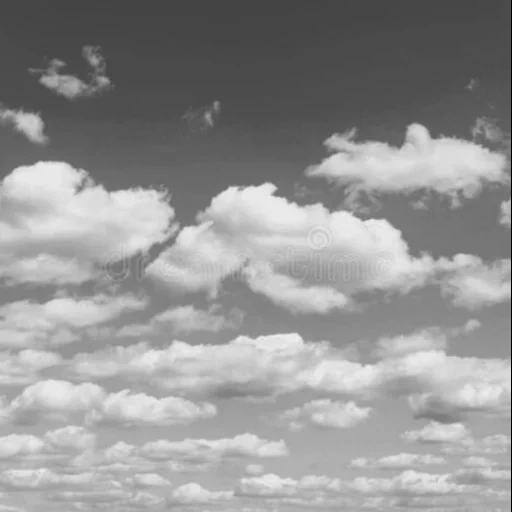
(449, 167)
(402, 462)
(305, 259)
(436, 433)
(26, 366)
(273, 486)
(185, 320)
(62, 400)
(472, 284)
(243, 446)
(410, 483)
(59, 227)
(440, 386)
(325, 414)
(60, 321)
(71, 87)
(194, 494)
(29, 124)
(488, 130)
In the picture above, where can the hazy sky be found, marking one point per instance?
(255, 257)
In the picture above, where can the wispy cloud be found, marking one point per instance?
(29, 124)
(203, 119)
(71, 86)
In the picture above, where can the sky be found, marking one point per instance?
(255, 257)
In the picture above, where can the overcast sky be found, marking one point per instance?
(255, 257)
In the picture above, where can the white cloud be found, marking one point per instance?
(72, 87)
(203, 119)
(243, 446)
(325, 414)
(185, 320)
(506, 213)
(439, 386)
(472, 284)
(61, 400)
(30, 124)
(436, 433)
(402, 462)
(420, 341)
(410, 483)
(60, 321)
(273, 486)
(194, 494)
(488, 130)
(453, 168)
(26, 366)
(59, 227)
(305, 259)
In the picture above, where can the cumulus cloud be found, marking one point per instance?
(26, 366)
(72, 87)
(474, 284)
(29, 124)
(325, 414)
(61, 401)
(185, 320)
(59, 227)
(451, 168)
(439, 386)
(401, 462)
(303, 258)
(437, 433)
(60, 321)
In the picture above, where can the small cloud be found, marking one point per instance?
(29, 124)
(203, 119)
(72, 87)
(473, 85)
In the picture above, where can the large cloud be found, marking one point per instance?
(449, 167)
(58, 226)
(61, 400)
(305, 259)
(440, 386)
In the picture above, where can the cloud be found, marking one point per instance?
(426, 340)
(488, 130)
(436, 433)
(29, 124)
(401, 462)
(308, 261)
(194, 494)
(60, 227)
(474, 284)
(243, 446)
(439, 386)
(71, 87)
(473, 85)
(410, 483)
(506, 213)
(61, 400)
(26, 366)
(203, 119)
(325, 414)
(185, 320)
(451, 168)
(61, 320)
